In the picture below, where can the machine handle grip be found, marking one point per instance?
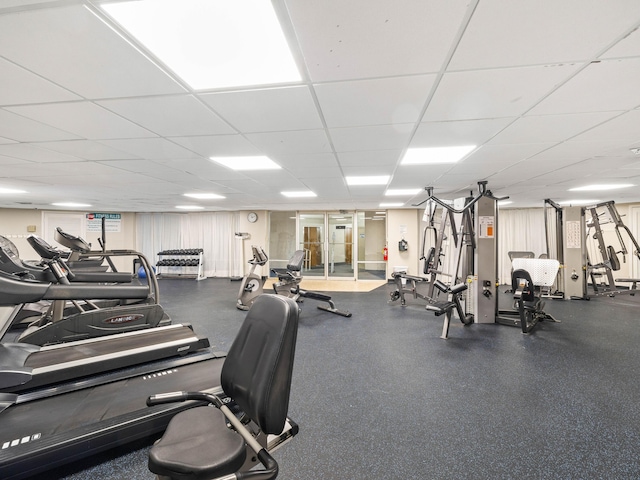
(169, 397)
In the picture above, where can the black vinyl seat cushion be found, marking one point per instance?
(198, 446)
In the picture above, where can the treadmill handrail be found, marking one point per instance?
(96, 292)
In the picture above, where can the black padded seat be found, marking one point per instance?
(186, 451)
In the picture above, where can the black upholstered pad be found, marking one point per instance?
(258, 368)
(197, 445)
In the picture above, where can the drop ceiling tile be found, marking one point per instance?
(149, 168)
(302, 161)
(84, 119)
(4, 160)
(267, 110)
(218, 145)
(549, 128)
(34, 153)
(461, 132)
(527, 33)
(5, 140)
(382, 101)
(291, 142)
(372, 170)
(171, 116)
(17, 128)
(610, 85)
(86, 149)
(628, 46)
(506, 92)
(375, 137)
(73, 48)
(203, 168)
(327, 171)
(415, 176)
(623, 128)
(43, 171)
(374, 38)
(573, 151)
(149, 148)
(368, 158)
(19, 86)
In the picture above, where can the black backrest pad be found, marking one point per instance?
(295, 262)
(258, 368)
(528, 293)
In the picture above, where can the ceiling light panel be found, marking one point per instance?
(211, 44)
(299, 194)
(259, 162)
(600, 187)
(399, 192)
(435, 155)
(371, 180)
(204, 196)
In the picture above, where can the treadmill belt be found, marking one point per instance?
(95, 349)
(40, 434)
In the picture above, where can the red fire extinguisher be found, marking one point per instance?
(385, 253)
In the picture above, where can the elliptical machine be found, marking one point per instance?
(252, 285)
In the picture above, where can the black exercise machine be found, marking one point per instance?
(407, 284)
(47, 427)
(289, 284)
(90, 319)
(256, 378)
(252, 284)
(528, 306)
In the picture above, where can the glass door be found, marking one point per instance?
(329, 245)
(371, 240)
(341, 259)
(311, 235)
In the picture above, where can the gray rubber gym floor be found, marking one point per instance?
(381, 396)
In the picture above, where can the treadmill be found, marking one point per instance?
(42, 428)
(49, 427)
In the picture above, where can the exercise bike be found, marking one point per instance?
(252, 284)
(289, 284)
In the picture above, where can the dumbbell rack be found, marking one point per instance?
(181, 263)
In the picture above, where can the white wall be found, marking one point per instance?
(404, 224)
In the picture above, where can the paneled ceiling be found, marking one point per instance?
(548, 90)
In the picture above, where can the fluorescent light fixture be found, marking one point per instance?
(302, 193)
(190, 207)
(398, 192)
(211, 44)
(431, 155)
(579, 202)
(591, 188)
(204, 196)
(372, 180)
(259, 162)
(11, 190)
(505, 202)
(381, 213)
(392, 204)
(70, 204)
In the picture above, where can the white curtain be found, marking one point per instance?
(519, 229)
(214, 232)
